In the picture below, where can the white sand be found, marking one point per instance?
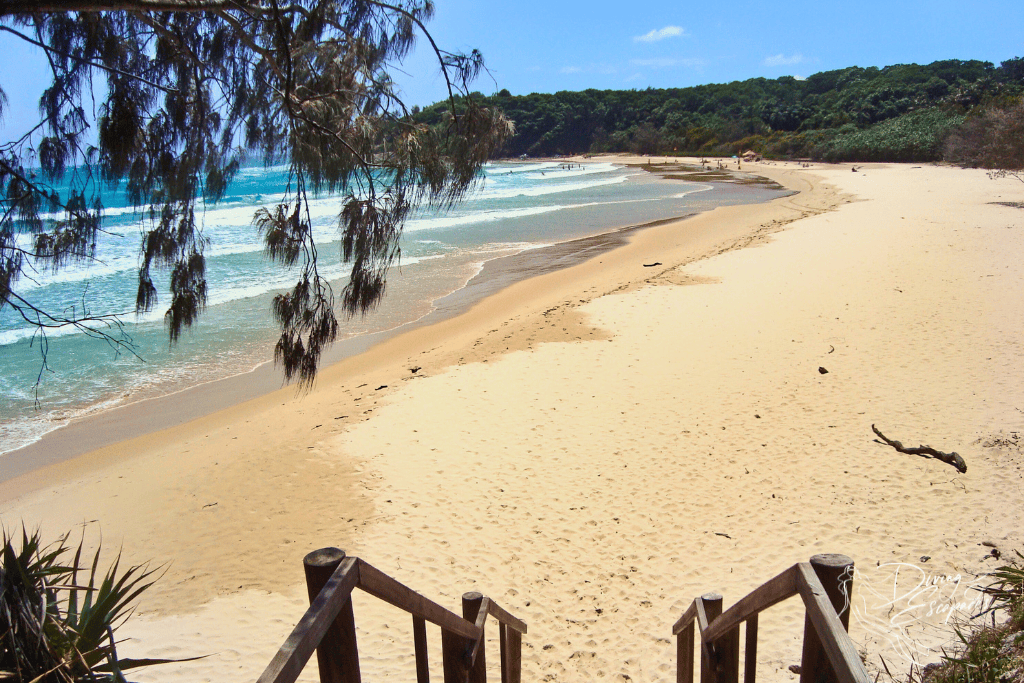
(596, 447)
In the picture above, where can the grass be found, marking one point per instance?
(988, 653)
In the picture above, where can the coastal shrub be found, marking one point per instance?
(988, 653)
(758, 143)
(994, 139)
(58, 615)
(798, 145)
(917, 136)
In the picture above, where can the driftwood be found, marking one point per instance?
(953, 459)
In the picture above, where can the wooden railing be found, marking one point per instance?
(328, 627)
(829, 655)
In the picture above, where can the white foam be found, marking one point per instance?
(418, 224)
(247, 285)
(492, 192)
(697, 187)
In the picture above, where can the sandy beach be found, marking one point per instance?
(594, 447)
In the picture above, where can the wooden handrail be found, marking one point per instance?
(840, 649)
(481, 621)
(688, 616)
(495, 610)
(828, 650)
(382, 586)
(287, 664)
(764, 596)
(330, 614)
(490, 608)
(702, 626)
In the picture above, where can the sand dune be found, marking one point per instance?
(595, 447)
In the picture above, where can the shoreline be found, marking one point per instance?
(108, 426)
(349, 391)
(594, 447)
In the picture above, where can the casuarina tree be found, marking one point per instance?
(194, 89)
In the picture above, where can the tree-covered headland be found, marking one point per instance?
(903, 112)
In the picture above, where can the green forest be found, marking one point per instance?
(904, 112)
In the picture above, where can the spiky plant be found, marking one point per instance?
(1006, 592)
(56, 628)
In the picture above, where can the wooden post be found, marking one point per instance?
(712, 608)
(337, 654)
(470, 609)
(419, 637)
(455, 652)
(727, 654)
(684, 655)
(836, 575)
(513, 665)
(503, 649)
(750, 651)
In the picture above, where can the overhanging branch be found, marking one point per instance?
(310, 85)
(111, 69)
(50, 6)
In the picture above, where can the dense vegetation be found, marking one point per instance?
(897, 113)
(992, 139)
(988, 654)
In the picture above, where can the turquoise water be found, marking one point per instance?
(518, 206)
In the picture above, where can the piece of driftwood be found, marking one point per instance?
(953, 459)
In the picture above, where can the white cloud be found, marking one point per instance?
(783, 60)
(664, 62)
(659, 34)
(589, 69)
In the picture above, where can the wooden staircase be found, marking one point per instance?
(829, 656)
(328, 627)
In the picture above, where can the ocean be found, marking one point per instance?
(518, 206)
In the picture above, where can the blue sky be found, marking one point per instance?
(534, 46)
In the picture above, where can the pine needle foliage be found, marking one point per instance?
(195, 89)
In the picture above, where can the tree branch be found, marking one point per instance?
(243, 35)
(50, 6)
(433, 45)
(953, 459)
(35, 187)
(308, 82)
(87, 62)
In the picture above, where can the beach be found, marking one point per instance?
(595, 446)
